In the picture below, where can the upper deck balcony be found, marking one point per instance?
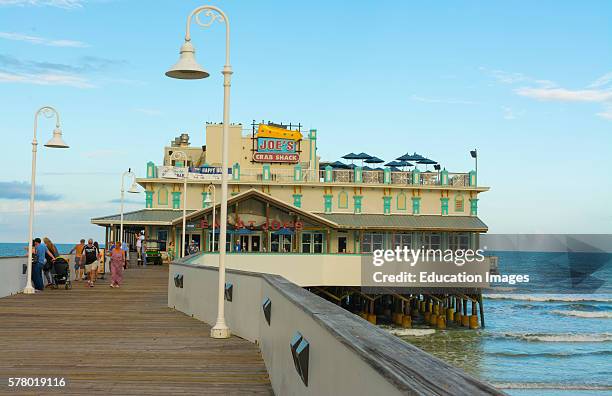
(297, 175)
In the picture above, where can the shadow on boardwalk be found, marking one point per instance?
(121, 341)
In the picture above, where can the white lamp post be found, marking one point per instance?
(133, 190)
(55, 142)
(182, 156)
(187, 68)
(214, 217)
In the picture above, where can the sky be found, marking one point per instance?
(529, 84)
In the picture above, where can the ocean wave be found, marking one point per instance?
(549, 354)
(411, 332)
(548, 297)
(560, 337)
(585, 314)
(551, 386)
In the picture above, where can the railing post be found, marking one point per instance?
(328, 174)
(236, 171)
(472, 178)
(387, 176)
(297, 172)
(358, 174)
(266, 172)
(416, 176)
(151, 170)
(444, 177)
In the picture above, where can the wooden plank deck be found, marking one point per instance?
(121, 342)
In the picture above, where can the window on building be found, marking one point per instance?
(281, 243)
(162, 196)
(401, 201)
(432, 240)
(459, 204)
(402, 240)
(371, 242)
(459, 240)
(162, 238)
(312, 242)
(342, 200)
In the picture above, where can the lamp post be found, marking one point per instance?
(182, 156)
(187, 68)
(133, 190)
(214, 217)
(55, 142)
(474, 154)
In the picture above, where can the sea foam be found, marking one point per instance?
(549, 297)
(561, 337)
(585, 314)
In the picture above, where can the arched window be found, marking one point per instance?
(342, 200)
(459, 203)
(401, 201)
(162, 196)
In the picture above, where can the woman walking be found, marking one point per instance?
(51, 254)
(117, 262)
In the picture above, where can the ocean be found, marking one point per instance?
(18, 249)
(552, 338)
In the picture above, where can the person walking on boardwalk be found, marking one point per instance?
(117, 263)
(91, 255)
(78, 252)
(37, 267)
(51, 253)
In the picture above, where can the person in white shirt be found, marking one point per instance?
(141, 248)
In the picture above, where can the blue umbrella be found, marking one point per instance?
(350, 156)
(410, 157)
(374, 160)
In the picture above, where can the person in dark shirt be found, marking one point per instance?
(91, 255)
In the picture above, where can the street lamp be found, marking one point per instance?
(208, 201)
(188, 69)
(474, 154)
(55, 142)
(132, 190)
(179, 155)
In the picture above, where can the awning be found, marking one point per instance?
(142, 217)
(406, 222)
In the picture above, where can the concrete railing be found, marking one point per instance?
(12, 275)
(346, 355)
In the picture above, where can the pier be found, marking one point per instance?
(121, 341)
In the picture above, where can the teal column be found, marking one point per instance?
(416, 176)
(444, 177)
(176, 199)
(297, 200)
(472, 179)
(151, 170)
(204, 198)
(387, 176)
(236, 171)
(416, 205)
(444, 206)
(328, 202)
(312, 136)
(148, 199)
(297, 172)
(266, 174)
(358, 174)
(357, 201)
(328, 174)
(387, 204)
(474, 206)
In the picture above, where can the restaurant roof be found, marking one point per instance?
(402, 221)
(142, 217)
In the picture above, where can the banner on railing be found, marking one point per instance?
(202, 173)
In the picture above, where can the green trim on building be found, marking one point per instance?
(416, 176)
(401, 201)
(474, 206)
(387, 204)
(297, 200)
(472, 178)
(416, 205)
(328, 203)
(176, 199)
(162, 196)
(148, 199)
(204, 197)
(358, 174)
(357, 202)
(343, 200)
(328, 174)
(444, 177)
(444, 206)
(236, 171)
(387, 176)
(297, 172)
(151, 170)
(265, 171)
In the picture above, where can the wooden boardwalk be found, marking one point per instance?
(121, 342)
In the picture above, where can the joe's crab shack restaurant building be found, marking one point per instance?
(293, 214)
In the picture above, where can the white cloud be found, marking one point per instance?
(70, 80)
(566, 95)
(68, 4)
(607, 113)
(510, 114)
(42, 40)
(602, 81)
(441, 100)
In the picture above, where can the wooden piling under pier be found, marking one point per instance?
(388, 307)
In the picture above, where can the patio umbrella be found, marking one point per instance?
(410, 157)
(363, 156)
(339, 165)
(350, 156)
(426, 161)
(374, 160)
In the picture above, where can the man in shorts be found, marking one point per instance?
(78, 268)
(90, 257)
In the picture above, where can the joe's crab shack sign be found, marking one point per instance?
(275, 144)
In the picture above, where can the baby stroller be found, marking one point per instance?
(61, 273)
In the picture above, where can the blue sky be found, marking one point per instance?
(527, 83)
